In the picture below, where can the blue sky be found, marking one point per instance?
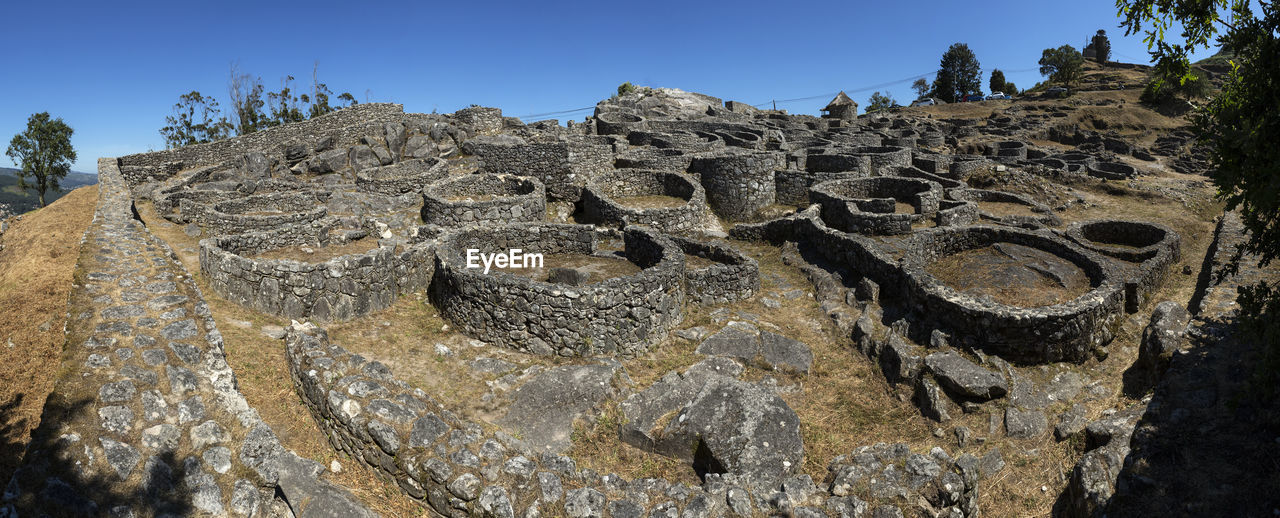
(113, 71)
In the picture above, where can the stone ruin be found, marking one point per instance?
(866, 207)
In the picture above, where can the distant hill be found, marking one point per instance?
(17, 201)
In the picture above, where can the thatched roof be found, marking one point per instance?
(840, 100)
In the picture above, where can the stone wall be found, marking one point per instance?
(621, 316)
(484, 198)
(338, 289)
(868, 205)
(457, 469)
(1069, 331)
(601, 206)
(346, 126)
(1148, 248)
(739, 185)
(793, 185)
(409, 176)
(254, 213)
(733, 277)
(563, 166)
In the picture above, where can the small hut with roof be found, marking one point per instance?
(842, 107)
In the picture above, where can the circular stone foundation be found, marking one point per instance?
(484, 198)
(1007, 208)
(618, 123)
(1132, 241)
(401, 178)
(255, 271)
(875, 205)
(257, 212)
(721, 274)
(739, 185)
(1068, 330)
(1147, 249)
(667, 201)
(620, 316)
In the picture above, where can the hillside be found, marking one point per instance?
(15, 200)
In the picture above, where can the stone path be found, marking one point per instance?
(1205, 447)
(146, 418)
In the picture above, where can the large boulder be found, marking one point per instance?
(747, 342)
(329, 161)
(964, 378)
(717, 423)
(1163, 335)
(543, 410)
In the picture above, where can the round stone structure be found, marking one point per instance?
(257, 212)
(732, 276)
(1068, 331)
(1146, 249)
(739, 185)
(402, 177)
(621, 316)
(484, 198)
(340, 288)
(600, 200)
(869, 205)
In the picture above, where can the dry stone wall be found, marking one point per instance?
(338, 289)
(600, 200)
(621, 316)
(484, 198)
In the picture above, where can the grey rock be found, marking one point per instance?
(1071, 422)
(154, 407)
(494, 503)
(899, 360)
(117, 392)
(185, 352)
(191, 409)
(244, 498)
(181, 380)
(1164, 334)
(180, 330)
(492, 366)
(122, 457)
(933, 404)
(426, 430)
(466, 487)
(218, 458)
(965, 378)
(584, 503)
(116, 419)
(543, 409)
(550, 486)
(163, 437)
(329, 161)
(140, 375)
(746, 341)
(1019, 423)
(208, 433)
(155, 357)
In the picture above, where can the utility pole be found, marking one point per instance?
(775, 105)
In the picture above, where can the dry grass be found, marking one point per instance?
(600, 268)
(36, 269)
(1001, 209)
(987, 271)
(655, 201)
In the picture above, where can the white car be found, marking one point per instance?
(998, 96)
(927, 101)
